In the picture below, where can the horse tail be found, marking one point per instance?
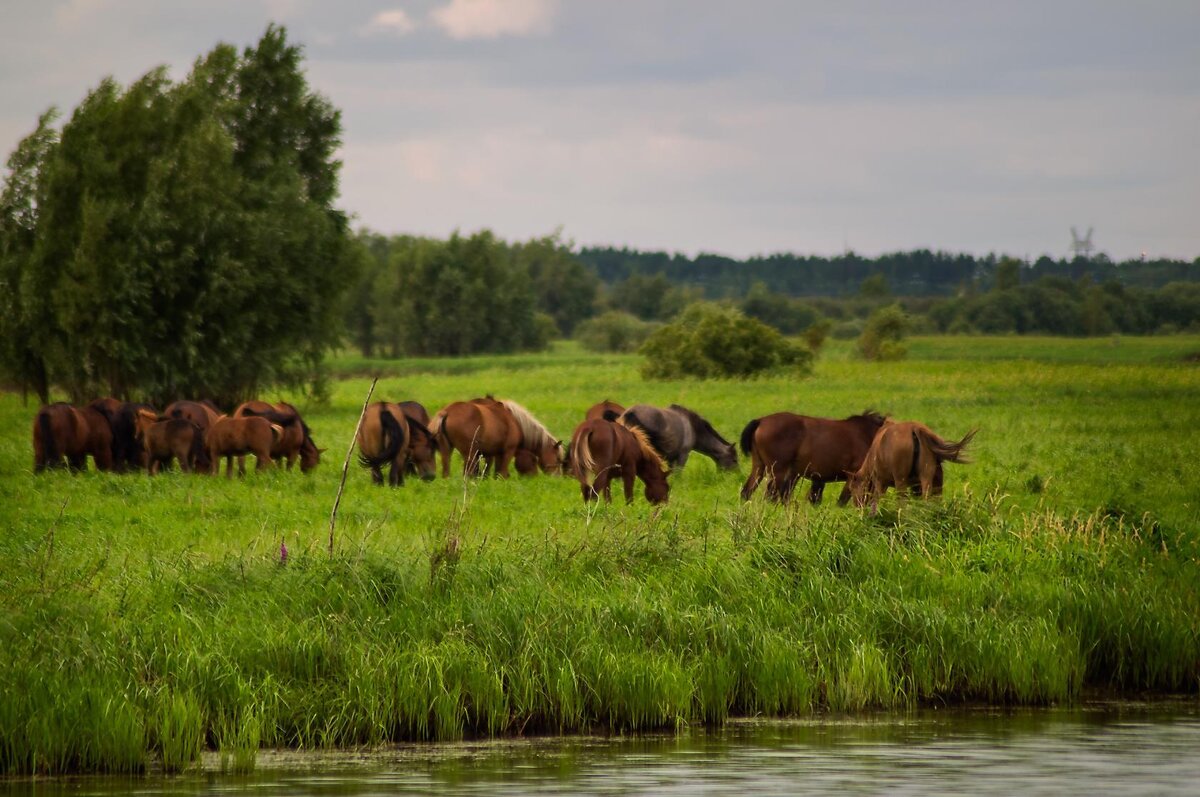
(393, 438)
(943, 450)
(747, 440)
(582, 459)
(198, 452)
(50, 453)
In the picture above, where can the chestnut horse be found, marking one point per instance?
(676, 431)
(171, 438)
(904, 454)
(235, 437)
(60, 430)
(606, 410)
(606, 451)
(787, 447)
(296, 440)
(495, 431)
(389, 435)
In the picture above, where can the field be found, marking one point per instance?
(143, 620)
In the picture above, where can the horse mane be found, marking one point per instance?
(869, 416)
(536, 436)
(698, 422)
(648, 450)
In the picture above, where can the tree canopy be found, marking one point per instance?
(177, 239)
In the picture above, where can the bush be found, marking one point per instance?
(614, 331)
(816, 333)
(883, 337)
(707, 341)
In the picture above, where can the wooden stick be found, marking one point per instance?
(346, 464)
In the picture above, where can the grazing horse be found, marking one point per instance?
(60, 430)
(172, 438)
(786, 447)
(127, 451)
(606, 410)
(296, 440)
(676, 431)
(904, 454)
(606, 451)
(496, 431)
(100, 435)
(389, 435)
(235, 437)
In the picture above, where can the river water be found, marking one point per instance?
(1100, 748)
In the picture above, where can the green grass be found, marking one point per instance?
(143, 620)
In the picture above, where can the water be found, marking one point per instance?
(1127, 748)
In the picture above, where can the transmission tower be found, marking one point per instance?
(1082, 247)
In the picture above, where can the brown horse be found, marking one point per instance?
(128, 453)
(201, 413)
(389, 435)
(606, 451)
(904, 454)
(100, 436)
(60, 430)
(296, 440)
(604, 410)
(171, 438)
(787, 447)
(495, 431)
(235, 437)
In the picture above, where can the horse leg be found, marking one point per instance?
(504, 458)
(628, 475)
(816, 491)
(376, 474)
(756, 472)
(241, 461)
(602, 485)
(291, 459)
(844, 497)
(77, 463)
(588, 492)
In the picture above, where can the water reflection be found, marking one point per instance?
(1103, 748)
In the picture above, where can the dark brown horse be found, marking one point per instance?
(127, 451)
(201, 413)
(676, 431)
(296, 440)
(60, 430)
(172, 438)
(604, 410)
(602, 451)
(786, 447)
(100, 436)
(904, 454)
(236, 437)
(389, 436)
(495, 431)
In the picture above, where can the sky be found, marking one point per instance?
(739, 128)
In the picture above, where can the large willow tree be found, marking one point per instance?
(177, 239)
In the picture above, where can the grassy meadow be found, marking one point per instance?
(144, 620)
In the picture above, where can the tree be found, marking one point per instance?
(21, 307)
(186, 242)
(564, 288)
(1008, 274)
(883, 336)
(707, 341)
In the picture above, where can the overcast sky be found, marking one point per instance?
(733, 127)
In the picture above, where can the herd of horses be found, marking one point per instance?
(868, 452)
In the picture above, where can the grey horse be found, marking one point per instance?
(676, 431)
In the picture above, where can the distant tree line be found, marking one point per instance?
(917, 273)
(177, 239)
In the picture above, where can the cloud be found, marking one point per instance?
(491, 19)
(395, 21)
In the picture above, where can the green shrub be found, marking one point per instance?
(614, 331)
(707, 341)
(883, 336)
(814, 336)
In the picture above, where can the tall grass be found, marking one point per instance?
(149, 619)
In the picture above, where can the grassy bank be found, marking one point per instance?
(145, 619)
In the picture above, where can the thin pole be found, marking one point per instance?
(346, 464)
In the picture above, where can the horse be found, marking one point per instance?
(296, 440)
(676, 431)
(904, 454)
(389, 435)
(60, 430)
(171, 438)
(100, 435)
(786, 446)
(606, 410)
(608, 451)
(235, 437)
(497, 432)
(127, 452)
